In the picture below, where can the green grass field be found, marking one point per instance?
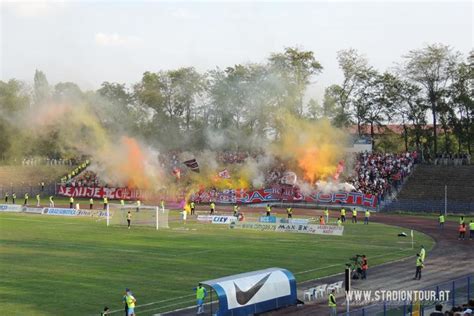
(75, 266)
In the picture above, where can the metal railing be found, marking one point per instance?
(460, 292)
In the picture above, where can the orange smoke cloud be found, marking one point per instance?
(314, 148)
(133, 164)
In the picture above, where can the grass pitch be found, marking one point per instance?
(75, 266)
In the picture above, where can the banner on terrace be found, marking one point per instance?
(99, 193)
(286, 194)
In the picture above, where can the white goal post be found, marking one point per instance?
(143, 215)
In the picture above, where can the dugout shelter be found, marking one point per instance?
(253, 292)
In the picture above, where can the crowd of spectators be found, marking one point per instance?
(85, 179)
(379, 174)
(464, 310)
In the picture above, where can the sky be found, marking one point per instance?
(89, 42)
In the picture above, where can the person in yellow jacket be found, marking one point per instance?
(131, 302)
(38, 200)
(343, 215)
(193, 207)
(289, 212)
(26, 199)
(213, 208)
(354, 215)
(91, 203)
(332, 303)
(106, 202)
(339, 222)
(139, 203)
(419, 266)
(71, 202)
(441, 221)
(326, 214)
(367, 216)
(200, 296)
(269, 209)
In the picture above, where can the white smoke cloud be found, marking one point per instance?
(115, 39)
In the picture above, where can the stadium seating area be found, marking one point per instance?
(379, 174)
(21, 179)
(426, 189)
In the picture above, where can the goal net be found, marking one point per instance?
(143, 215)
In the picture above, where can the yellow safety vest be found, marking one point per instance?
(192, 204)
(130, 301)
(71, 199)
(331, 301)
(343, 212)
(200, 293)
(289, 210)
(91, 201)
(326, 212)
(354, 213)
(339, 222)
(419, 262)
(471, 226)
(441, 218)
(105, 200)
(367, 214)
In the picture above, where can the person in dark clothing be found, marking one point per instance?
(438, 310)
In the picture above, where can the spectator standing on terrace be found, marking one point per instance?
(462, 231)
(51, 201)
(13, 197)
(367, 216)
(343, 215)
(26, 199)
(91, 203)
(354, 215)
(6, 197)
(289, 212)
(269, 209)
(106, 202)
(213, 207)
(71, 202)
(441, 220)
(38, 200)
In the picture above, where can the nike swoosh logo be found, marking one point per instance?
(244, 296)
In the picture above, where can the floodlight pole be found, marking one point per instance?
(347, 280)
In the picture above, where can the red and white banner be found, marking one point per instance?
(286, 194)
(99, 193)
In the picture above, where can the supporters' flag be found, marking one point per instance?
(224, 174)
(177, 172)
(192, 164)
